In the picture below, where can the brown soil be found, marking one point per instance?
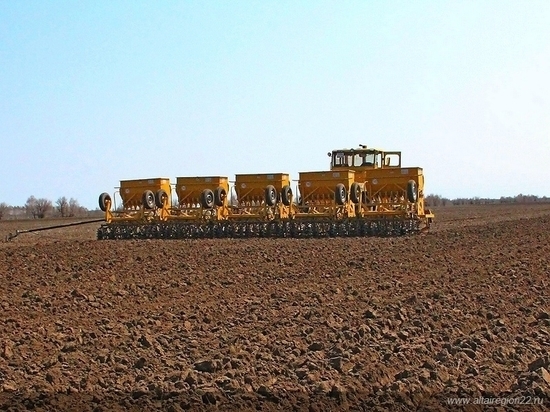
(280, 324)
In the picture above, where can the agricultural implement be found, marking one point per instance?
(366, 192)
(12, 236)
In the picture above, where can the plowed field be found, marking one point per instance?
(461, 314)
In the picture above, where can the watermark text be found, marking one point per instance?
(480, 400)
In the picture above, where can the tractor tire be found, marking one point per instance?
(207, 199)
(219, 196)
(148, 200)
(103, 199)
(355, 192)
(270, 195)
(340, 194)
(286, 195)
(160, 198)
(412, 194)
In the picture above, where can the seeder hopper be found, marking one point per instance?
(366, 192)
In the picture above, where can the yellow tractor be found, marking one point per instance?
(382, 187)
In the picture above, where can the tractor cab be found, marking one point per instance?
(363, 158)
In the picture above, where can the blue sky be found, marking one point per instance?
(95, 92)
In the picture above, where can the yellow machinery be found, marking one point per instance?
(262, 196)
(386, 188)
(201, 198)
(366, 192)
(142, 200)
(326, 194)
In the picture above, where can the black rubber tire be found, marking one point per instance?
(159, 198)
(355, 192)
(207, 199)
(220, 195)
(148, 200)
(103, 199)
(412, 195)
(270, 195)
(340, 194)
(286, 195)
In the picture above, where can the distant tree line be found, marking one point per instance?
(40, 208)
(437, 200)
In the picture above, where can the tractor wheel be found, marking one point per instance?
(160, 198)
(355, 192)
(103, 199)
(411, 191)
(365, 198)
(286, 195)
(148, 199)
(270, 195)
(219, 196)
(207, 199)
(340, 194)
